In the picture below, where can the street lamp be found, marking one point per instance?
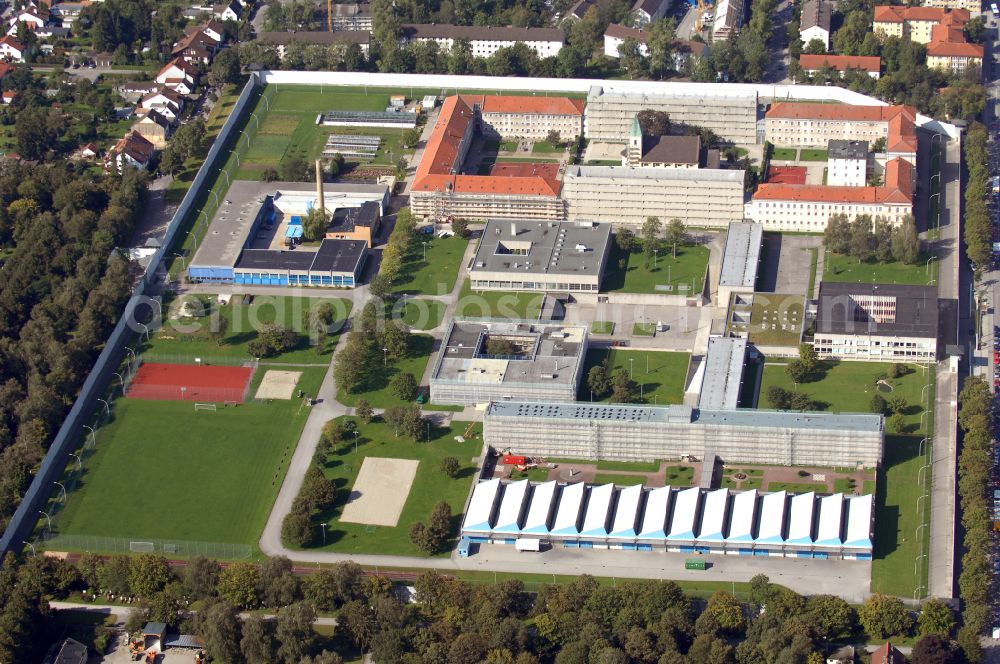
(323, 526)
(355, 441)
(79, 463)
(630, 367)
(120, 380)
(425, 251)
(144, 329)
(183, 260)
(47, 519)
(385, 357)
(93, 434)
(29, 544)
(59, 484)
(107, 408)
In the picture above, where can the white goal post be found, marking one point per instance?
(205, 406)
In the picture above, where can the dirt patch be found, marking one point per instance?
(278, 384)
(380, 491)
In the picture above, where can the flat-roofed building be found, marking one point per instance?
(355, 223)
(740, 260)
(540, 361)
(486, 40)
(545, 256)
(847, 163)
(610, 111)
(335, 264)
(815, 64)
(723, 377)
(877, 322)
(627, 195)
(626, 432)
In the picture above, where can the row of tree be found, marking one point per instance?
(580, 622)
(868, 239)
(63, 290)
(974, 479)
(977, 224)
(371, 344)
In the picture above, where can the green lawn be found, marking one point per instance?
(784, 154)
(621, 480)
(532, 474)
(776, 320)
(435, 274)
(796, 487)
(630, 466)
(848, 387)
(843, 485)
(190, 337)
(644, 329)
(680, 475)
(503, 146)
(661, 374)
(163, 471)
(429, 486)
(749, 483)
(602, 327)
(376, 390)
(812, 154)
(545, 146)
(498, 304)
(844, 268)
(421, 314)
(685, 275)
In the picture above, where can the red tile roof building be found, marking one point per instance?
(805, 124)
(888, 654)
(805, 207)
(527, 191)
(940, 29)
(871, 65)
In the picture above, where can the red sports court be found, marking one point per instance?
(786, 174)
(190, 382)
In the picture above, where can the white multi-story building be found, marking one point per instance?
(645, 12)
(815, 22)
(805, 207)
(485, 41)
(877, 322)
(514, 116)
(729, 16)
(814, 64)
(626, 195)
(847, 164)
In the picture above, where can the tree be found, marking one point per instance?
(201, 576)
(653, 123)
(650, 235)
(405, 419)
(815, 46)
(883, 616)
(238, 584)
(272, 339)
(295, 169)
(257, 643)
(461, 227)
(225, 68)
(935, 618)
(553, 138)
(837, 236)
(623, 388)
(217, 330)
(410, 138)
(395, 339)
(800, 401)
(218, 624)
(500, 346)
(365, 411)
(829, 616)
(808, 356)
(778, 397)
(897, 371)
(878, 404)
(404, 386)
(675, 234)
(294, 632)
(906, 242)
(450, 466)
(315, 224)
(933, 649)
(432, 537)
(598, 380)
(171, 160)
(883, 235)
(897, 403)
(861, 238)
(625, 239)
(297, 529)
(148, 574)
(797, 371)
(37, 131)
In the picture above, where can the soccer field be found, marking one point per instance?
(163, 471)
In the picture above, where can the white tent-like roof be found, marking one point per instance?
(511, 507)
(540, 509)
(480, 512)
(859, 522)
(568, 513)
(654, 520)
(627, 512)
(685, 511)
(800, 522)
(595, 521)
(741, 516)
(772, 518)
(713, 516)
(831, 517)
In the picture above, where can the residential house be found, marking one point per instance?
(729, 16)
(103, 60)
(888, 654)
(131, 151)
(88, 151)
(67, 13)
(178, 75)
(281, 40)
(32, 18)
(485, 41)
(228, 12)
(51, 31)
(12, 50)
(8, 97)
(915, 23)
(67, 651)
(581, 7)
(167, 102)
(814, 64)
(351, 16)
(842, 655)
(974, 7)
(815, 22)
(645, 12)
(154, 127)
(948, 49)
(195, 47)
(213, 30)
(683, 49)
